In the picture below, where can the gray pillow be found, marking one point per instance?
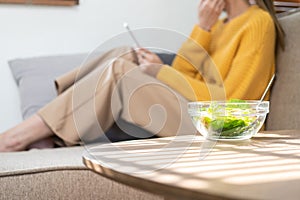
(35, 78)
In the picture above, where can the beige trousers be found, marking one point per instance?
(112, 86)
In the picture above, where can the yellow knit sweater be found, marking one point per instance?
(233, 60)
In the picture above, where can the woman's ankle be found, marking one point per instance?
(33, 129)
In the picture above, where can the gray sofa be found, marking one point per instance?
(60, 174)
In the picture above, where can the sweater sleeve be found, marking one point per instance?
(192, 52)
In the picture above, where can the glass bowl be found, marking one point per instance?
(228, 120)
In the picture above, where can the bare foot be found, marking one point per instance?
(20, 137)
(42, 144)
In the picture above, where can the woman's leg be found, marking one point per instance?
(92, 105)
(87, 110)
(67, 80)
(152, 105)
(34, 132)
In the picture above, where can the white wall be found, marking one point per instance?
(27, 31)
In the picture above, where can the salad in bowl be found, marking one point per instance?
(228, 120)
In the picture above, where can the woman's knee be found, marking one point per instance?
(126, 53)
(121, 66)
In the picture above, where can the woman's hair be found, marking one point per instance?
(269, 7)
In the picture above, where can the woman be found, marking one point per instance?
(242, 46)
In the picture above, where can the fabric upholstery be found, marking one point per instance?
(58, 174)
(285, 95)
(41, 160)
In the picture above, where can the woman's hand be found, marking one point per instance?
(147, 57)
(150, 63)
(209, 12)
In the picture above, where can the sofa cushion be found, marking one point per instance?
(285, 95)
(58, 174)
(35, 78)
(35, 160)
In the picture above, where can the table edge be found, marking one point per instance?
(152, 186)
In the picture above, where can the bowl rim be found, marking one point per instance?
(222, 102)
(262, 106)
